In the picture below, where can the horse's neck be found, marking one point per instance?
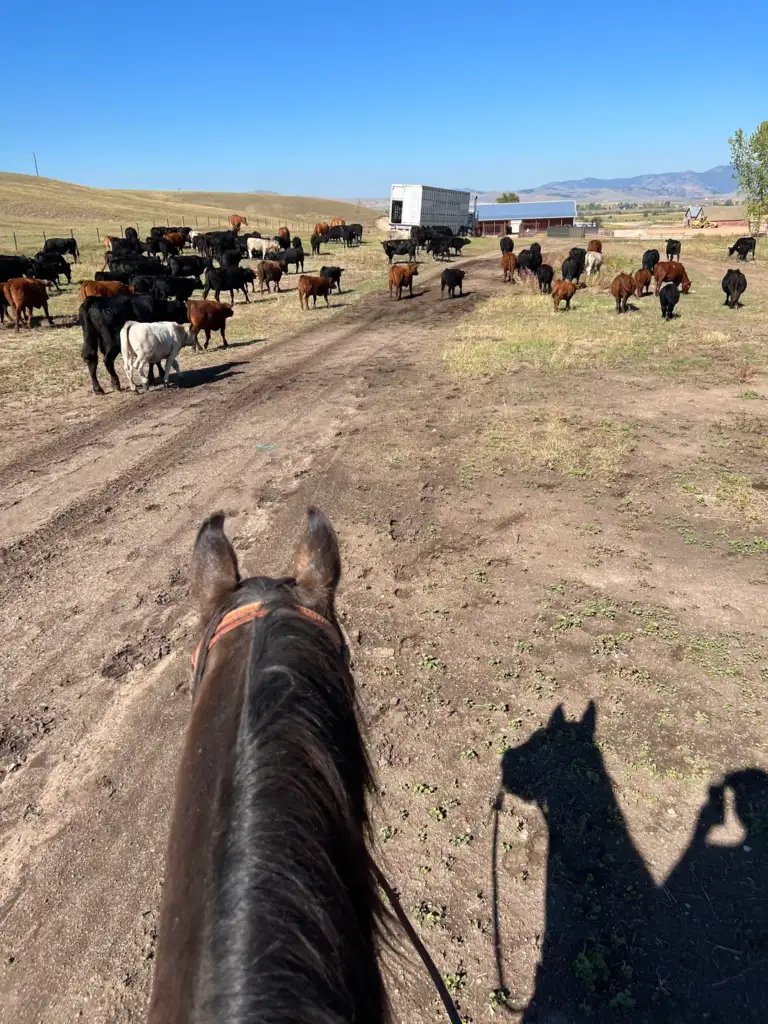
(587, 829)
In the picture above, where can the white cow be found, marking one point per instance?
(254, 244)
(192, 236)
(144, 344)
(593, 263)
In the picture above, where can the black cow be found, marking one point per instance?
(283, 241)
(578, 257)
(440, 247)
(333, 274)
(289, 257)
(183, 266)
(175, 287)
(314, 242)
(63, 246)
(348, 237)
(167, 248)
(296, 242)
(673, 252)
(213, 243)
(506, 244)
(143, 284)
(527, 262)
(230, 258)
(544, 275)
(668, 296)
(41, 271)
(132, 235)
(58, 265)
(137, 265)
(452, 279)
(124, 246)
(420, 235)
(169, 229)
(394, 248)
(743, 247)
(227, 279)
(335, 234)
(441, 229)
(650, 258)
(734, 286)
(357, 231)
(13, 266)
(102, 318)
(458, 243)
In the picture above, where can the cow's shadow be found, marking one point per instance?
(618, 947)
(200, 375)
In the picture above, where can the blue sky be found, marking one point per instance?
(341, 99)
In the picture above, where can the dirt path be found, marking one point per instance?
(97, 518)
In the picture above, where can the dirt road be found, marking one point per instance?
(99, 509)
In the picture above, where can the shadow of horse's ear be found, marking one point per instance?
(214, 573)
(557, 718)
(317, 561)
(589, 719)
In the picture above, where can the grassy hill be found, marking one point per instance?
(30, 205)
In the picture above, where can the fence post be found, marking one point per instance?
(15, 243)
(44, 238)
(138, 232)
(98, 236)
(209, 220)
(196, 224)
(122, 233)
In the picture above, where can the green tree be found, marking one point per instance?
(508, 197)
(749, 156)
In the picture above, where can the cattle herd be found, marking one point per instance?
(140, 303)
(670, 276)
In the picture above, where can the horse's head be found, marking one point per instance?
(310, 590)
(554, 752)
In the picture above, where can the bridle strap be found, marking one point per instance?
(241, 616)
(418, 945)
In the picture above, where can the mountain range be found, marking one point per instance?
(717, 181)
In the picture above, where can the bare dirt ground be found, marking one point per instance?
(514, 539)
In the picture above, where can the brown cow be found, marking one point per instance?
(236, 221)
(509, 265)
(25, 295)
(104, 289)
(269, 271)
(673, 271)
(338, 222)
(643, 281)
(313, 286)
(322, 228)
(401, 276)
(595, 245)
(207, 315)
(283, 232)
(563, 290)
(175, 239)
(622, 286)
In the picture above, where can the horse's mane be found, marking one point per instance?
(296, 920)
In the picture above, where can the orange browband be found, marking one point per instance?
(248, 613)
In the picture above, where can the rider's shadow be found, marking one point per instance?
(617, 946)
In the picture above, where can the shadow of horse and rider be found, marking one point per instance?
(617, 945)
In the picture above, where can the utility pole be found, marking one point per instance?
(36, 170)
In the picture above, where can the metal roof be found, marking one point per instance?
(526, 211)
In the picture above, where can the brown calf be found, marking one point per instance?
(401, 276)
(206, 315)
(563, 291)
(338, 222)
(24, 295)
(236, 221)
(104, 289)
(509, 265)
(283, 232)
(674, 272)
(322, 228)
(622, 286)
(313, 286)
(175, 239)
(595, 245)
(268, 271)
(643, 281)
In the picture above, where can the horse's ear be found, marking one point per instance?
(214, 572)
(557, 718)
(589, 718)
(317, 561)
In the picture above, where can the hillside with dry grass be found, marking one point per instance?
(29, 205)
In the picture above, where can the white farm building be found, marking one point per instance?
(423, 205)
